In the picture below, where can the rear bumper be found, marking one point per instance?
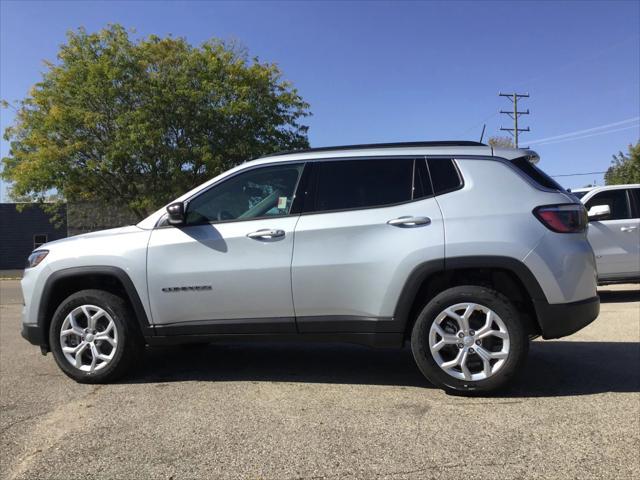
(561, 319)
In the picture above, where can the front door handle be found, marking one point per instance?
(266, 234)
(409, 222)
(628, 229)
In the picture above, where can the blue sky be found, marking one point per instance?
(394, 71)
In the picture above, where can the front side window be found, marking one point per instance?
(261, 192)
(352, 184)
(617, 202)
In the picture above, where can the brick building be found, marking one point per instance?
(22, 231)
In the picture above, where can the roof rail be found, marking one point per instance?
(446, 143)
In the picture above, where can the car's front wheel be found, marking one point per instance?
(92, 337)
(469, 339)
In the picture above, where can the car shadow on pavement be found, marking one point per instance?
(563, 368)
(619, 296)
(554, 368)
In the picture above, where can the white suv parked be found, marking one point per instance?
(464, 251)
(614, 230)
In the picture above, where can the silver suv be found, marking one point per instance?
(462, 250)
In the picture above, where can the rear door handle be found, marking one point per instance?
(266, 234)
(409, 222)
(628, 229)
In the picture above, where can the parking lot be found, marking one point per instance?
(305, 411)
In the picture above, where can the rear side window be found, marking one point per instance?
(350, 184)
(534, 173)
(444, 175)
(421, 181)
(634, 198)
(617, 202)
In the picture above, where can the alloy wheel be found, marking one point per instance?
(469, 341)
(88, 338)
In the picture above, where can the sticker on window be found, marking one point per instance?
(282, 203)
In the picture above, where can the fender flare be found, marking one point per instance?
(433, 267)
(141, 315)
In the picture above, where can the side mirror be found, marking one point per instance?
(599, 212)
(176, 214)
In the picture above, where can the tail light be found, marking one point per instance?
(565, 218)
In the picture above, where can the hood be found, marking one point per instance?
(100, 233)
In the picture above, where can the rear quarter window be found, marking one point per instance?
(444, 175)
(536, 174)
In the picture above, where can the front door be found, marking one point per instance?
(616, 239)
(228, 269)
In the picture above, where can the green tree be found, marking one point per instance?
(625, 168)
(501, 142)
(135, 123)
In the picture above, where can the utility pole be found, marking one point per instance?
(515, 114)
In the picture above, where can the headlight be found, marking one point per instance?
(36, 257)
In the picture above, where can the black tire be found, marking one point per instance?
(129, 347)
(515, 325)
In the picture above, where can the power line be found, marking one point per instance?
(589, 135)
(579, 132)
(483, 121)
(577, 174)
(515, 114)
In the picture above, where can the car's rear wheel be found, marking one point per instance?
(469, 339)
(93, 338)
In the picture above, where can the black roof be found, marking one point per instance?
(446, 143)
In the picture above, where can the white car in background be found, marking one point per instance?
(614, 230)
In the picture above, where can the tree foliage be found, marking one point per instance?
(501, 142)
(625, 168)
(135, 123)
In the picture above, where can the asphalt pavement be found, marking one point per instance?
(280, 411)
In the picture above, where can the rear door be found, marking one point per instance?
(616, 239)
(365, 226)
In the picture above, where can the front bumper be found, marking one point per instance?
(561, 319)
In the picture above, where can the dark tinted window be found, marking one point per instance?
(262, 192)
(579, 194)
(617, 201)
(444, 175)
(348, 184)
(634, 197)
(422, 183)
(536, 174)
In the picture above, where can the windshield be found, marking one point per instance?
(579, 194)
